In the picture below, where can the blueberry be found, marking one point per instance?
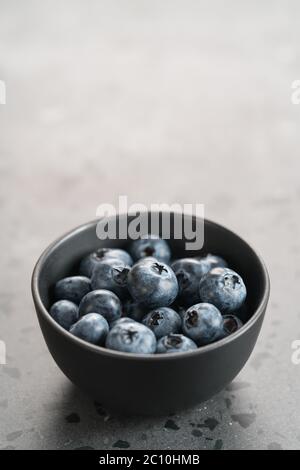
(92, 328)
(189, 272)
(224, 288)
(174, 343)
(150, 245)
(89, 262)
(208, 263)
(101, 301)
(243, 313)
(131, 337)
(211, 261)
(72, 288)
(202, 322)
(180, 309)
(65, 313)
(214, 261)
(163, 321)
(122, 320)
(111, 274)
(231, 323)
(133, 310)
(152, 284)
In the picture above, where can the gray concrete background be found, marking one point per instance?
(165, 102)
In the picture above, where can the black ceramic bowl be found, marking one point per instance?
(150, 384)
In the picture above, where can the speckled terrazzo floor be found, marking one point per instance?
(164, 102)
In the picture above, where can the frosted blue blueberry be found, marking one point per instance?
(101, 301)
(223, 288)
(92, 328)
(152, 283)
(131, 337)
(65, 313)
(89, 262)
(111, 274)
(202, 323)
(72, 288)
(163, 321)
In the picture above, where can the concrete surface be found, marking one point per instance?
(164, 102)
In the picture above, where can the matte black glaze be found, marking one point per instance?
(154, 384)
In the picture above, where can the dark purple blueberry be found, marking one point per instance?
(133, 310)
(189, 272)
(231, 324)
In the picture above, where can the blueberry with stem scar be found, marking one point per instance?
(163, 321)
(202, 323)
(150, 245)
(223, 288)
(152, 284)
(89, 262)
(174, 343)
(131, 337)
(111, 275)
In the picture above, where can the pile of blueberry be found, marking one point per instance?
(139, 302)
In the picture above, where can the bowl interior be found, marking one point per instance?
(64, 255)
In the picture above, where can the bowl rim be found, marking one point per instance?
(137, 357)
